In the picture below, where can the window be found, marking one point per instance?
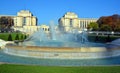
(48, 29)
(71, 22)
(24, 21)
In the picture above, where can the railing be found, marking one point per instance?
(103, 32)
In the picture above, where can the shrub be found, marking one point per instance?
(25, 37)
(17, 37)
(21, 37)
(9, 37)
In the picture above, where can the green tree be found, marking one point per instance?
(93, 26)
(17, 37)
(105, 27)
(117, 28)
(9, 37)
(21, 37)
(25, 36)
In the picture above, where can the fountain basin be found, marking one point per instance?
(62, 52)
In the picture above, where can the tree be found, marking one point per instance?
(17, 37)
(6, 23)
(112, 22)
(93, 26)
(9, 37)
(105, 28)
(22, 37)
(25, 37)
(117, 28)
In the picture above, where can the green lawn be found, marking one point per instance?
(10, 68)
(91, 38)
(5, 36)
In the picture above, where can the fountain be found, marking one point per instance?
(61, 45)
(59, 48)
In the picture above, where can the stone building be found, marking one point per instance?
(45, 28)
(25, 22)
(71, 21)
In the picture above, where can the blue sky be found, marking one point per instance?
(47, 10)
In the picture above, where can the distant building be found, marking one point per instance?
(45, 28)
(70, 21)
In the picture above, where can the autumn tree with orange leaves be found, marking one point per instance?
(109, 23)
(6, 23)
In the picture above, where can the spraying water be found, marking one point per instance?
(56, 38)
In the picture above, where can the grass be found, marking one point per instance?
(91, 38)
(4, 36)
(10, 68)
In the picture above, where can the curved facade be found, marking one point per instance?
(70, 21)
(25, 18)
(25, 21)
